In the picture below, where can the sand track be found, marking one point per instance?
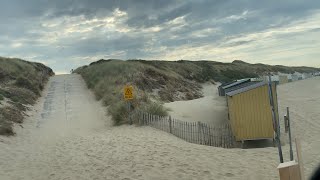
(66, 110)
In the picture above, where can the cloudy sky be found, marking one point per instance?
(65, 34)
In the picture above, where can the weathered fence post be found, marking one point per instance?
(170, 125)
(142, 118)
(199, 132)
(289, 128)
(210, 136)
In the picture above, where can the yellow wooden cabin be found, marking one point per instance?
(250, 112)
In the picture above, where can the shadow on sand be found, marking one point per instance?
(258, 144)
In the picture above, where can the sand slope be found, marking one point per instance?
(211, 109)
(84, 146)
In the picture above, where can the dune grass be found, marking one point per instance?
(156, 82)
(21, 83)
(107, 80)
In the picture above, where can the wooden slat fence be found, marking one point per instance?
(193, 132)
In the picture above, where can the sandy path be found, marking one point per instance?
(67, 110)
(82, 147)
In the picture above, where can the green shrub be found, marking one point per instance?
(155, 108)
(119, 113)
(4, 93)
(15, 99)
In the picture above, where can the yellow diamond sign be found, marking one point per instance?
(128, 92)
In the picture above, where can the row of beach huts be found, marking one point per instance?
(253, 105)
(285, 78)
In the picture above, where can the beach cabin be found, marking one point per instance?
(298, 75)
(250, 112)
(283, 79)
(295, 77)
(289, 77)
(224, 87)
(306, 76)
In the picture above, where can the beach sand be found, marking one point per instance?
(75, 141)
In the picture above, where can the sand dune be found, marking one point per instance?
(75, 141)
(211, 109)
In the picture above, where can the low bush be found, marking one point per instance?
(27, 84)
(119, 113)
(11, 114)
(5, 127)
(155, 108)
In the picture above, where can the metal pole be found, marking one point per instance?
(274, 119)
(170, 124)
(289, 128)
(129, 112)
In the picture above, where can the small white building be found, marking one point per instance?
(295, 77)
(289, 77)
(274, 78)
(299, 75)
(306, 75)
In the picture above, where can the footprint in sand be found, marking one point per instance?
(229, 175)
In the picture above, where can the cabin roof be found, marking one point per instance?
(240, 86)
(236, 83)
(246, 87)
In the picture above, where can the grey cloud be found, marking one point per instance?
(21, 21)
(237, 43)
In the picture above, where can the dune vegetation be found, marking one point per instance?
(21, 83)
(156, 82)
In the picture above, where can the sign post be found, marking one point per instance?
(128, 95)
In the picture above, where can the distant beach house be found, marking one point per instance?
(274, 78)
(283, 79)
(299, 75)
(250, 112)
(295, 77)
(306, 75)
(289, 77)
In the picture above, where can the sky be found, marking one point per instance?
(66, 34)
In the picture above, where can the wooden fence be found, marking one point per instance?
(193, 132)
